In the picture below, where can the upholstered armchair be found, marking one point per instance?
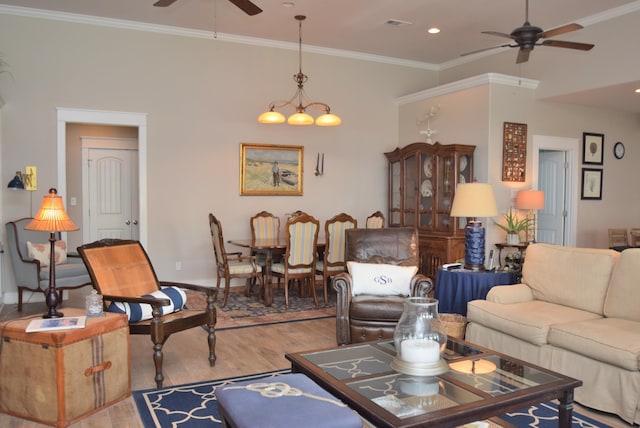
(364, 314)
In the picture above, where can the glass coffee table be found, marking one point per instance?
(480, 384)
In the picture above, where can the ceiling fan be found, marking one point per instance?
(246, 5)
(528, 36)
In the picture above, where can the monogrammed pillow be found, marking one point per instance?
(42, 252)
(380, 279)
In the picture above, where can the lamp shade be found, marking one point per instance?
(474, 200)
(51, 217)
(300, 118)
(271, 117)
(530, 200)
(16, 182)
(328, 119)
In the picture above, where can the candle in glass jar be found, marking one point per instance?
(420, 351)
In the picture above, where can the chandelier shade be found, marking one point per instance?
(299, 101)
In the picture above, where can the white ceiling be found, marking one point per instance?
(359, 25)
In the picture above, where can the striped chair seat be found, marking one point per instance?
(280, 268)
(242, 267)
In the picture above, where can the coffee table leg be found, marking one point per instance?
(565, 409)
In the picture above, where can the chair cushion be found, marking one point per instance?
(381, 279)
(242, 267)
(142, 311)
(376, 308)
(42, 252)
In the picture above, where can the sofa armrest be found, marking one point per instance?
(342, 286)
(421, 286)
(507, 294)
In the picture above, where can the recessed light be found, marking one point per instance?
(638, 91)
(288, 4)
(433, 30)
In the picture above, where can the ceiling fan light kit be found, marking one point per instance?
(301, 116)
(528, 36)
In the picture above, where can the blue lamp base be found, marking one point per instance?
(474, 246)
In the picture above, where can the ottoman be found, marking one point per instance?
(291, 400)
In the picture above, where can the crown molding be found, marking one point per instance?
(471, 82)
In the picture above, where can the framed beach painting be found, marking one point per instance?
(270, 170)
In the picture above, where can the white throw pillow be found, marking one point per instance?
(380, 279)
(42, 252)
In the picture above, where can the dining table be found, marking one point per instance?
(268, 247)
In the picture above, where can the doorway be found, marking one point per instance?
(138, 120)
(555, 165)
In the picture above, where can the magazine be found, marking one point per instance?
(51, 324)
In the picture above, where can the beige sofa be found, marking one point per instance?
(577, 312)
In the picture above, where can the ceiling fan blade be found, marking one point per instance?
(497, 33)
(247, 6)
(560, 30)
(523, 55)
(164, 3)
(487, 49)
(568, 45)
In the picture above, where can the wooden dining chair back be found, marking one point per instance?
(265, 225)
(299, 261)
(122, 272)
(635, 237)
(232, 265)
(618, 238)
(334, 252)
(375, 221)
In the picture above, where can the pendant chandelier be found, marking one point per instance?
(300, 117)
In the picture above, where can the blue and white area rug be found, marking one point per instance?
(194, 405)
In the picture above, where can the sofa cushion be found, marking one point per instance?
(573, 277)
(623, 294)
(611, 340)
(529, 321)
(381, 279)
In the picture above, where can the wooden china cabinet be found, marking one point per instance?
(422, 182)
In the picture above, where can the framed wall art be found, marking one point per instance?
(514, 151)
(591, 183)
(267, 170)
(592, 148)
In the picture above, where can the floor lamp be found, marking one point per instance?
(473, 200)
(52, 218)
(530, 200)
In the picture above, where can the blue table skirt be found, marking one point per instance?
(455, 288)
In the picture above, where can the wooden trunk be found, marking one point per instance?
(58, 377)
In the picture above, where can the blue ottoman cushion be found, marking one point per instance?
(291, 400)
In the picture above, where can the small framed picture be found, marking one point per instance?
(591, 183)
(592, 148)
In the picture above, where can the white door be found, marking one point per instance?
(552, 219)
(110, 186)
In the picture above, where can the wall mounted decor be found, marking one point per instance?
(591, 184)
(592, 148)
(514, 151)
(267, 170)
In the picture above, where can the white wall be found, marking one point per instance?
(202, 98)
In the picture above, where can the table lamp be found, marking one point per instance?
(52, 218)
(530, 200)
(473, 200)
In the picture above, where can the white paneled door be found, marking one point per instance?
(111, 188)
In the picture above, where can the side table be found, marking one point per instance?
(455, 288)
(59, 377)
(521, 247)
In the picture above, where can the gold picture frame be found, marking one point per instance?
(270, 170)
(514, 151)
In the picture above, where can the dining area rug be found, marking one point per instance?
(194, 405)
(241, 311)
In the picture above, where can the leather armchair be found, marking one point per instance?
(364, 317)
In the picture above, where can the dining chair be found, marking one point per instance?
(618, 238)
(122, 272)
(635, 237)
(232, 265)
(300, 256)
(334, 262)
(265, 225)
(375, 221)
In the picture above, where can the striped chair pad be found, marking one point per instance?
(334, 252)
(301, 252)
(279, 268)
(242, 267)
(266, 227)
(320, 266)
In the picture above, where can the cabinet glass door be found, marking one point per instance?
(410, 191)
(447, 168)
(427, 179)
(395, 191)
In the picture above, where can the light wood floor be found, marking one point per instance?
(239, 351)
